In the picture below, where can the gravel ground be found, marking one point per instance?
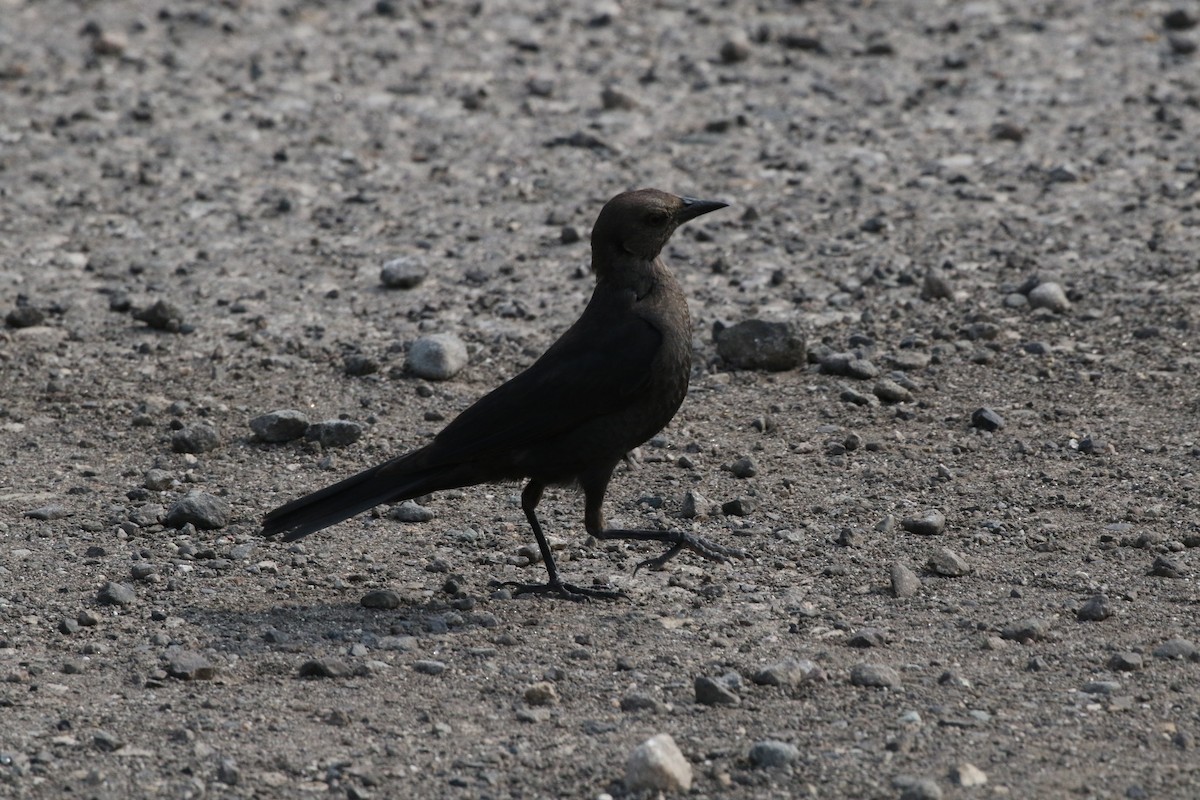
(972, 513)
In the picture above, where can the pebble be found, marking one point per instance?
(788, 673)
(1177, 648)
(948, 563)
(848, 365)
(358, 364)
(744, 468)
(657, 765)
(188, 665)
(756, 344)
(429, 666)
(912, 788)
(284, 425)
(25, 317)
(158, 480)
(161, 316)
(695, 505)
(936, 286)
(735, 49)
(927, 523)
(106, 742)
(205, 511)
(228, 772)
(324, 668)
(868, 637)
(199, 437)
(713, 692)
(116, 594)
(1125, 662)
(1097, 608)
(335, 432)
(875, 676)
(437, 357)
(738, 507)
(405, 272)
(1049, 295)
(141, 571)
(908, 360)
(968, 776)
(540, 694)
(409, 511)
(1100, 687)
(889, 391)
(985, 419)
(1030, 629)
(47, 513)
(1167, 567)
(640, 702)
(384, 599)
(905, 582)
(772, 753)
(68, 626)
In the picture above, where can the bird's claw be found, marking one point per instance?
(567, 591)
(701, 547)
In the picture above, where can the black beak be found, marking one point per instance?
(693, 208)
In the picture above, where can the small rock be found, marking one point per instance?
(204, 510)
(187, 665)
(116, 594)
(228, 772)
(1101, 687)
(409, 511)
(948, 563)
(437, 357)
(25, 317)
(1125, 662)
(744, 468)
(912, 788)
(875, 676)
(68, 626)
(613, 99)
(1177, 649)
(1026, 630)
(1097, 608)
(695, 505)
(756, 344)
(47, 513)
(905, 582)
(284, 425)
(196, 438)
(712, 692)
(106, 742)
(985, 419)
(936, 286)
(1167, 567)
(788, 673)
(1179, 19)
(968, 775)
(405, 272)
(889, 391)
(735, 49)
(928, 523)
(657, 765)
(634, 702)
(542, 693)
(357, 365)
(848, 365)
(1049, 295)
(324, 668)
(158, 480)
(335, 432)
(771, 754)
(868, 637)
(161, 316)
(738, 507)
(384, 599)
(429, 666)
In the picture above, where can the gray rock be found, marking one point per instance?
(384, 599)
(848, 365)
(204, 510)
(1177, 649)
(1167, 567)
(985, 419)
(1125, 662)
(914, 788)
(359, 364)
(199, 437)
(875, 676)
(1027, 630)
(936, 286)
(116, 594)
(405, 272)
(771, 754)
(908, 360)
(927, 523)
(1097, 608)
(335, 432)
(158, 480)
(905, 582)
(324, 668)
(889, 391)
(161, 316)
(25, 317)
(107, 742)
(948, 563)
(429, 666)
(739, 507)
(744, 468)
(868, 637)
(695, 505)
(284, 425)
(47, 513)
(713, 692)
(968, 775)
(541, 694)
(635, 701)
(788, 673)
(188, 665)
(1049, 295)
(1100, 687)
(437, 357)
(756, 344)
(228, 772)
(657, 765)
(409, 511)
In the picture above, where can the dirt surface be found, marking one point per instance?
(904, 178)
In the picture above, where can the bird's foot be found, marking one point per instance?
(567, 591)
(701, 547)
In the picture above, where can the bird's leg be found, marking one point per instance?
(593, 520)
(530, 497)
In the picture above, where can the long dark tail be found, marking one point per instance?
(391, 482)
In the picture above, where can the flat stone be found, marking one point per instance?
(875, 676)
(437, 357)
(712, 692)
(204, 510)
(756, 344)
(927, 523)
(657, 765)
(188, 665)
(284, 425)
(772, 754)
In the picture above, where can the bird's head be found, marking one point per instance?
(640, 222)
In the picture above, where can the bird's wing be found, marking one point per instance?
(588, 373)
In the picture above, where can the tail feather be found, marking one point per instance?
(385, 483)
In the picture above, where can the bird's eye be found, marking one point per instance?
(657, 217)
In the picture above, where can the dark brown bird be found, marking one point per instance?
(612, 381)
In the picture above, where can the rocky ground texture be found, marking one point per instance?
(971, 507)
